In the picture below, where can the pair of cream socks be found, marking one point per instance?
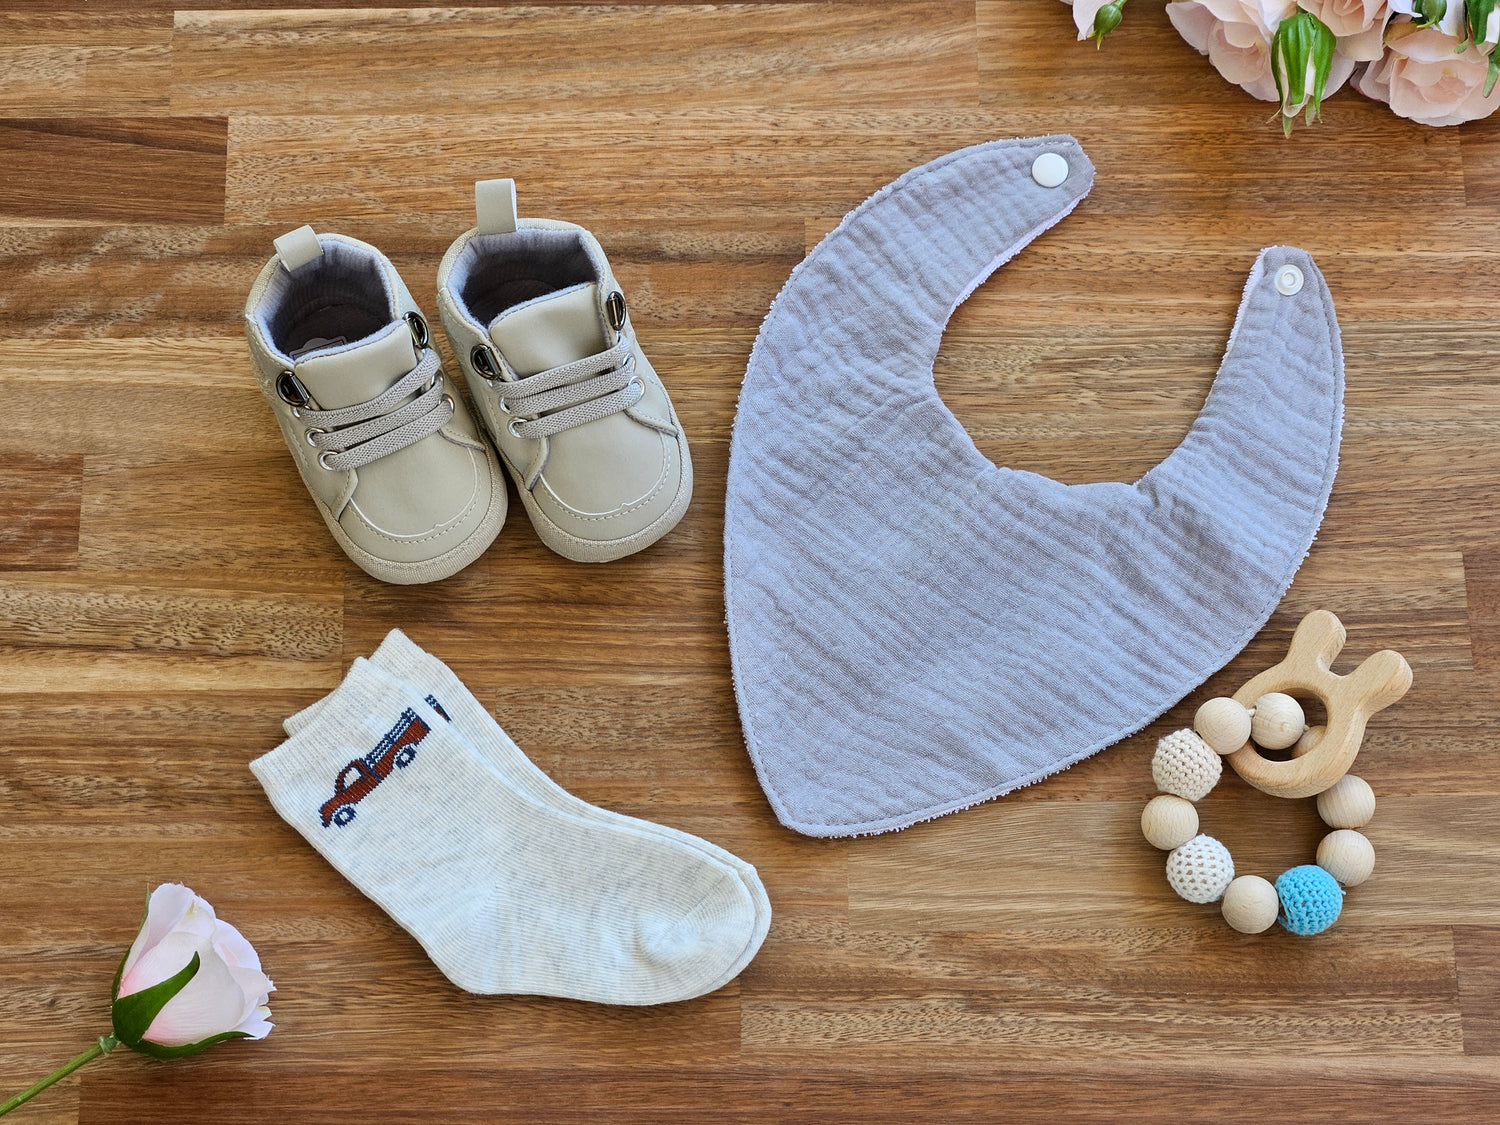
(405, 783)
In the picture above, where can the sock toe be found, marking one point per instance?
(692, 953)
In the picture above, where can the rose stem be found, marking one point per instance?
(106, 1044)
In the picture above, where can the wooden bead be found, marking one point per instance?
(1350, 803)
(1223, 724)
(1308, 741)
(1347, 856)
(1168, 822)
(1278, 721)
(1251, 904)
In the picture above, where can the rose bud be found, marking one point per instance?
(1106, 19)
(189, 980)
(1301, 60)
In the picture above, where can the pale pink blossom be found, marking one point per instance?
(228, 993)
(1236, 36)
(1358, 24)
(1084, 12)
(1420, 77)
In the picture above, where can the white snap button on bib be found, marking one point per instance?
(1050, 169)
(1288, 281)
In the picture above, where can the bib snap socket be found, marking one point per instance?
(1050, 169)
(915, 629)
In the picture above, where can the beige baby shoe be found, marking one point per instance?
(581, 420)
(382, 438)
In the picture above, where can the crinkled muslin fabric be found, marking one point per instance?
(915, 629)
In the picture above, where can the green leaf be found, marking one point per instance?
(133, 1014)
(157, 1051)
(1489, 81)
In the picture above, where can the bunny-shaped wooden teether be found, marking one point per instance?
(1320, 758)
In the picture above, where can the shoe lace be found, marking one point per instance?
(572, 394)
(352, 436)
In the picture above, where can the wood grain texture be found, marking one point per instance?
(40, 497)
(168, 593)
(126, 170)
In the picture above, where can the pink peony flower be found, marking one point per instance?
(1421, 78)
(1359, 24)
(1236, 36)
(228, 993)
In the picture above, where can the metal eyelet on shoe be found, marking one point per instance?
(291, 391)
(418, 326)
(311, 435)
(511, 427)
(323, 460)
(453, 406)
(614, 310)
(484, 363)
(500, 402)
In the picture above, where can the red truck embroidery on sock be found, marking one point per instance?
(359, 778)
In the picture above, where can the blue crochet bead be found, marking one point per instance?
(1311, 899)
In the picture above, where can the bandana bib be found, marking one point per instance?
(915, 629)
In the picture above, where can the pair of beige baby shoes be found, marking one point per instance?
(384, 441)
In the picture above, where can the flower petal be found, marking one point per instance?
(165, 959)
(210, 1004)
(233, 946)
(166, 906)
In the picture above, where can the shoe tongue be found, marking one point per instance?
(350, 375)
(550, 331)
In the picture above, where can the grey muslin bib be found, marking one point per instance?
(914, 629)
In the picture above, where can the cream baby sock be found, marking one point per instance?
(399, 655)
(506, 895)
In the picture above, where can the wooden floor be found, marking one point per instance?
(168, 592)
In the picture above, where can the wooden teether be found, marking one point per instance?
(1349, 701)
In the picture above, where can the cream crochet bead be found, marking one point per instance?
(1185, 765)
(1201, 870)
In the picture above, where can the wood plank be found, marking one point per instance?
(1482, 579)
(40, 497)
(1476, 950)
(186, 280)
(134, 170)
(1328, 1093)
(83, 62)
(1479, 142)
(245, 511)
(69, 631)
(525, 57)
(825, 992)
(1003, 861)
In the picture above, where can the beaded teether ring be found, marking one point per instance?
(1306, 899)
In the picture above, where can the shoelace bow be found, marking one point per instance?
(352, 436)
(572, 394)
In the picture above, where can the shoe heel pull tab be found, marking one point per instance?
(495, 206)
(298, 247)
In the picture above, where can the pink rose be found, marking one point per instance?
(227, 994)
(1359, 24)
(1420, 77)
(1236, 37)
